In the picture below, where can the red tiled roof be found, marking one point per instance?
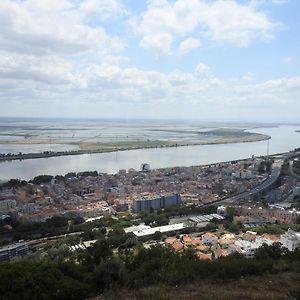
(201, 248)
(177, 245)
(186, 238)
(270, 237)
(170, 240)
(203, 256)
(209, 234)
(220, 252)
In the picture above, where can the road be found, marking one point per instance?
(292, 171)
(271, 179)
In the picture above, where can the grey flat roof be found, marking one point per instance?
(206, 218)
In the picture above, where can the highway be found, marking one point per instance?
(269, 181)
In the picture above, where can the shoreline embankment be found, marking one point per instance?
(47, 154)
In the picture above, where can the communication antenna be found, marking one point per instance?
(268, 148)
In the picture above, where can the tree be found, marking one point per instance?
(100, 251)
(211, 226)
(230, 213)
(30, 280)
(157, 235)
(42, 179)
(273, 251)
(60, 253)
(109, 274)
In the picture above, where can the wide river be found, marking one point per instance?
(283, 138)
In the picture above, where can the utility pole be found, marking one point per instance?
(49, 143)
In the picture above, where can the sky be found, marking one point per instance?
(227, 60)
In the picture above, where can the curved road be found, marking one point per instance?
(271, 179)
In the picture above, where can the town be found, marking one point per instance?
(89, 194)
(179, 207)
(163, 227)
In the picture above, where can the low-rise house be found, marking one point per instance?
(209, 238)
(219, 252)
(249, 236)
(186, 239)
(225, 243)
(202, 248)
(203, 256)
(290, 240)
(191, 241)
(228, 236)
(271, 237)
(248, 248)
(195, 241)
(170, 240)
(177, 245)
(234, 249)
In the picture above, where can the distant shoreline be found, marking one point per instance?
(255, 137)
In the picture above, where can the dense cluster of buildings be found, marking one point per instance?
(89, 196)
(253, 214)
(209, 245)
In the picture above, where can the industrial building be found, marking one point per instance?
(206, 218)
(146, 230)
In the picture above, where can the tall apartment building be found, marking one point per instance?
(10, 251)
(156, 202)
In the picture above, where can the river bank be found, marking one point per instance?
(283, 139)
(134, 145)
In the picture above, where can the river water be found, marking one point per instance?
(283, 138)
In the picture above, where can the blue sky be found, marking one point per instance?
(185, 59)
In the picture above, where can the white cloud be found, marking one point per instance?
(45, 44)
(51, 70)
(61, 52)
(188, 45)
(208, 19)
(132, 91)
(283, 85)
(43, 28)
(102, 10)
(202, 69)
(159, 43)
(240, 28)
